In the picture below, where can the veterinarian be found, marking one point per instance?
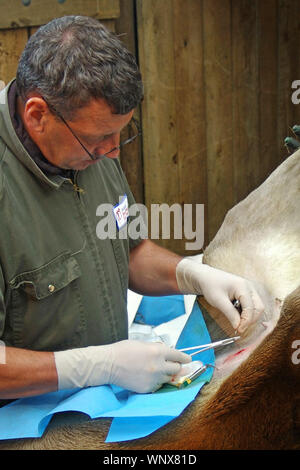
(63, 315)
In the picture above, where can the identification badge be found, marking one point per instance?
(121, 212)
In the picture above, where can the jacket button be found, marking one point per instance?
(51, 288)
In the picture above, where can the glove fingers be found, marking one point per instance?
(164, 379)
(174, 355)
(229, 311)
(172, 365)
(258, 306)
(252, 309)
(171, 368)
(160, 381)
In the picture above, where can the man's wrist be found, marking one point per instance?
(83, 367)
(189, 273)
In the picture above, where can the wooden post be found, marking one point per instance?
(131, 155)
(174, 145)
(12, 43)
(245, 102)
(219, 119)
(14, 14)
(267, 14)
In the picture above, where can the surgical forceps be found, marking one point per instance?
(205, 347)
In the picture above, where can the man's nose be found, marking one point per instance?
(109, 147)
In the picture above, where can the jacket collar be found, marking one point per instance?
(11, 139)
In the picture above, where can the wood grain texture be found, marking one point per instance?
(219, 110)
(288, 69)
(13, 13)
(156, 55)
(245, 98)
(267, 38)
(12, 43)
(131, 155)
(218, 78)
(190, 106)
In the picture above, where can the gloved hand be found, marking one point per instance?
(219, 289)
(134, 365)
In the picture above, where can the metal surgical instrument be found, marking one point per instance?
(206, 347)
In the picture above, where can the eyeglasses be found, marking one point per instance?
(99, 157)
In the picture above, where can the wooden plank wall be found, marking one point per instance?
(217, 105)
(18, 22)
(132, 155)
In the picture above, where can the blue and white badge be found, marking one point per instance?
(121, 212)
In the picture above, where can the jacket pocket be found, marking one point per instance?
(46, 310)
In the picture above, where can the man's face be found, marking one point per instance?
(94, 125)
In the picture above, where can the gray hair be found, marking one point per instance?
(74, 59)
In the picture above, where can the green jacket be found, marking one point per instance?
(60, 285)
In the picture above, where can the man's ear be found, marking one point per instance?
(35, 114)
(2, 85)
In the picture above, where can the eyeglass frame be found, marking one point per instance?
(100, 157)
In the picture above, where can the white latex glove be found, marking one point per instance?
(134, 365)
(219, 289)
